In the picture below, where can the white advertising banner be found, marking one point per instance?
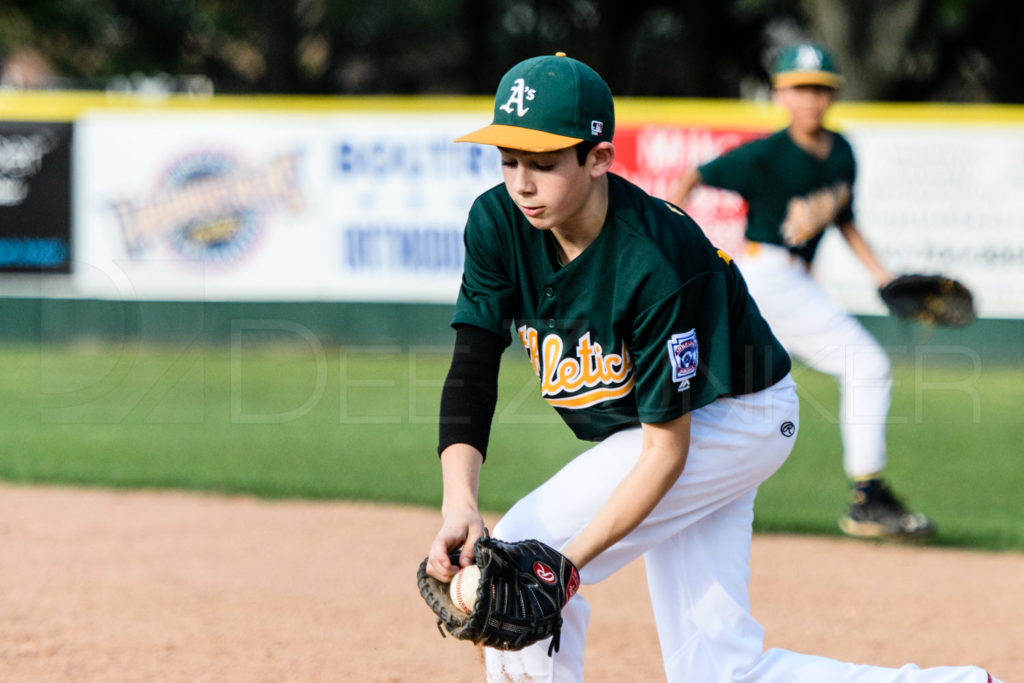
(930, 197)
(400, 191)
(198, 206)
(235, 206)
(936, 199)
(230, 205)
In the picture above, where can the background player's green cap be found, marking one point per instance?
(805, 64)
(549, 103)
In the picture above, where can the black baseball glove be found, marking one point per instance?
(929, 299)
(523, 587)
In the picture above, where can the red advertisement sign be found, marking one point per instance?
(655, 156)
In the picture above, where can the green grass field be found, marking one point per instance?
(360, 423)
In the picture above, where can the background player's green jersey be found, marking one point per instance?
(770, 171)
(648, 323)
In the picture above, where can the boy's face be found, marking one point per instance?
(806, 104)
(552, 189)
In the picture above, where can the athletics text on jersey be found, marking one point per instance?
(579, 381)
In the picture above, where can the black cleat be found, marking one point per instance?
(876, 513)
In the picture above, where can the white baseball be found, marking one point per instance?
(463, 588)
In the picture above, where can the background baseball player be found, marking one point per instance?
(798, 182)
(646, 341)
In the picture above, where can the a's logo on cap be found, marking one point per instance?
(808, 58)
(596, 127)
(520, 93)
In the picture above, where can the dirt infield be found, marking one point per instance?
(114, 586)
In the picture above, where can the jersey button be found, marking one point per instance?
(551, 323)
(549, 292)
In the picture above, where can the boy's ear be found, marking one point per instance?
(602, 158)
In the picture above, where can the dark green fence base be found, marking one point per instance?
(61, 321)
(989, 339)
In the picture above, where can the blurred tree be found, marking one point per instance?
(889, 49)
(979, 57)
(871, 40)
(644, 47)
(958, 50)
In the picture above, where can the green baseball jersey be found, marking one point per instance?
(771, 171)
(648, 323)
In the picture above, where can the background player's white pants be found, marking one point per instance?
(696, 545)
(819, 333)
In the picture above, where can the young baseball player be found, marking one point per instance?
(798, 182)
(646, 342)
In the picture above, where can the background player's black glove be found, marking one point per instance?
(523, 587)
(929, 299)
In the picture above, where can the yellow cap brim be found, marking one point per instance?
(514, 137)
(791, 79)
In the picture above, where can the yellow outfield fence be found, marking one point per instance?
(17, 105)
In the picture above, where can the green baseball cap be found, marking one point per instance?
(805, 64)
(549, 103)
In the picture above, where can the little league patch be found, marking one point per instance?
(682, 351)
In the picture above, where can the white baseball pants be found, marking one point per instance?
(696, 546)
(823, 336)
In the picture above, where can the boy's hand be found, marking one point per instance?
(462, 527)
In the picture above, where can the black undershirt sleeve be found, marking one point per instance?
(470, 391)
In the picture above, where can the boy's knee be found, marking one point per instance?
(514, 526)
(868, 363)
